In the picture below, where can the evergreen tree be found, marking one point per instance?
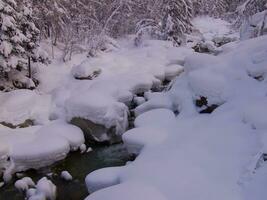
(12, 39)
(176, 20)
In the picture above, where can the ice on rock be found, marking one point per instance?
(155, 118)
(135, 139)
(20, 105)
(129, 191)
(66, 176)
(102, 178)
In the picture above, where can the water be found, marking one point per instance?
(79, 165)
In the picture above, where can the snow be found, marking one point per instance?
(20, 105)
(199, 156)
(153, 117)
(24, 184)
(129, 191)
(160, 101)
(103, 178)
(212, 27)
(45, 189)
(26, 150)
(182, 154)
(254, 25)
(66, 176)
(136, 139)
(82, 148)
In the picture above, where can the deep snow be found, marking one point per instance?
(182, 154)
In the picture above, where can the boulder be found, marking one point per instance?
(96, 132)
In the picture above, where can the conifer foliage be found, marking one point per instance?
(18, 38)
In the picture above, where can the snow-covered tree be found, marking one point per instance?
(215, 8)
(18, 43)
(12, 38)
(176, 20)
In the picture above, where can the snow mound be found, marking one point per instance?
(230, 140)
(66, 176)
(155, 118)
(172, 71)
(20, 105)
(160, 101)
(102, 178)
(135, 139)
(26, 148)
(45, 190)
(129, 191)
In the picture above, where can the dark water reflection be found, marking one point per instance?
(79, 165)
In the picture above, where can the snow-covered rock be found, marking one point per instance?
(45, 190)
(19, 105)
(66, 176)
(230, 140)
(129, 191)
(83, 72)
(172, 71)
(26, 148)
(136, 139)
(24, 184)
(160, 101)
(155, 118)
(102, 178)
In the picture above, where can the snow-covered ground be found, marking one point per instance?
(199, 156)
(182, 154)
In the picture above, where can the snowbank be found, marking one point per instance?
(20, 105)
(201, 156)
(26, 148)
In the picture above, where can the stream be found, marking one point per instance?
(78, 165)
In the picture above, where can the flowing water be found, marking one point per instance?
(79, 165)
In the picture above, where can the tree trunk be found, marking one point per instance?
(29, 67)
